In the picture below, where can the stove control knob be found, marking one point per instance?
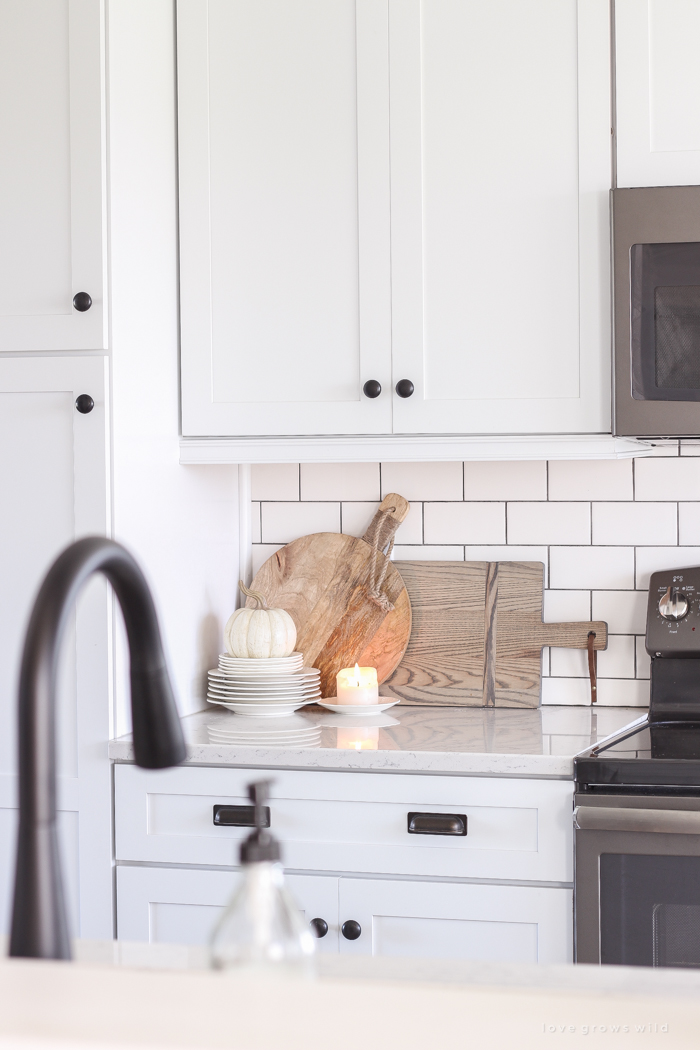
(674, 605)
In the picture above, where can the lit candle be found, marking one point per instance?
(357, 685)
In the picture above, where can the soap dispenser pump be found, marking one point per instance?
(262, 927)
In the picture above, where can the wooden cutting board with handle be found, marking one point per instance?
(324, 582)
(478, 634)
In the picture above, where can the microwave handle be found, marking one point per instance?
(659, 821)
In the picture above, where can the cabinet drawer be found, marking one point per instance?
(516, 829)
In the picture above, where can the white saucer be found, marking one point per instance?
(357, 709)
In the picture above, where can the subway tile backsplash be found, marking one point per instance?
(599, 526)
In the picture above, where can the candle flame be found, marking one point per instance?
(357, 675)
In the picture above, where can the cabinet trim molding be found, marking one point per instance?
(397, 448)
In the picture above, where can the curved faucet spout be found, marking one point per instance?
(39, 924)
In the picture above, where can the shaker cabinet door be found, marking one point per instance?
(51, 195)
(181, 906)
(456, 921)
(500, 174)
(657, 92)
(284, 216)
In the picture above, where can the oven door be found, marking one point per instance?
(637, 880)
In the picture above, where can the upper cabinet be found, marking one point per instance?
(657, 43)
(383, 193)
(51, 193)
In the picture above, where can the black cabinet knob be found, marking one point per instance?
(351, 930)
(82, 301)
(319, 926)
(372, 388)
(84, 403)
(404, 388)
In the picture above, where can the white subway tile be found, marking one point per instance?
(263, 551)
(643, 659)
(508, 553)
(568, 663)
(505, 480)
(424, 552)
(464, 522)
(566, 606)
(625, 612)
(662, 447)
(594, 567)
(689, 523)
(567, 692)
(423, 481)
(617, 661)
(690, 447)
(275, 481)
(653, 559)
(623, 692)
(634, 523)
(544, 668)
(667, 479)
(549, 523)
(255, 529)
(340, 481)
(357, 517)
(283, 522)
(589, 479)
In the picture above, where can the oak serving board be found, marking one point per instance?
(478, 634)
(322, 581)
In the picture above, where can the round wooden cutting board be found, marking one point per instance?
(323, 582)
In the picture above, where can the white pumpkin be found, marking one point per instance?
(259, 633)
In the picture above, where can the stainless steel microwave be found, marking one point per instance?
(656, 311)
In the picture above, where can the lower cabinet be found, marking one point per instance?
(397, 917)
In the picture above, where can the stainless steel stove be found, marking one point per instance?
(637, 805)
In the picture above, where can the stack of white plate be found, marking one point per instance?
(294, 731)
(264, 688)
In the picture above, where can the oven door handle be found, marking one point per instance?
(615, 818)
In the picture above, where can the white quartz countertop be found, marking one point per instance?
(537, 742)
(149, 999)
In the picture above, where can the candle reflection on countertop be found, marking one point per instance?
(365, 738)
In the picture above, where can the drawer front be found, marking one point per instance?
(516, 829)
(175, 906)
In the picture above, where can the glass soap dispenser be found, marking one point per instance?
(262, 927)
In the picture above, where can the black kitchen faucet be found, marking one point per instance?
(39, 924)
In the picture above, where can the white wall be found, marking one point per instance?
(599, 526)
(180, 522)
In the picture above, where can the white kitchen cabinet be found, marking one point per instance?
(52, 217)
(394, 189)
(181, 906)
(53, 477)
(657, 88)
(453, 921)
(284, 216)
(400, 918)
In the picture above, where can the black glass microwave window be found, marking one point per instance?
(665, 321)
(650, 910)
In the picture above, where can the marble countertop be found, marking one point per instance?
(392, 1004)
(538, 742)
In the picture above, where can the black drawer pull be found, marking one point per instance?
(239, 816)
(437, 824)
